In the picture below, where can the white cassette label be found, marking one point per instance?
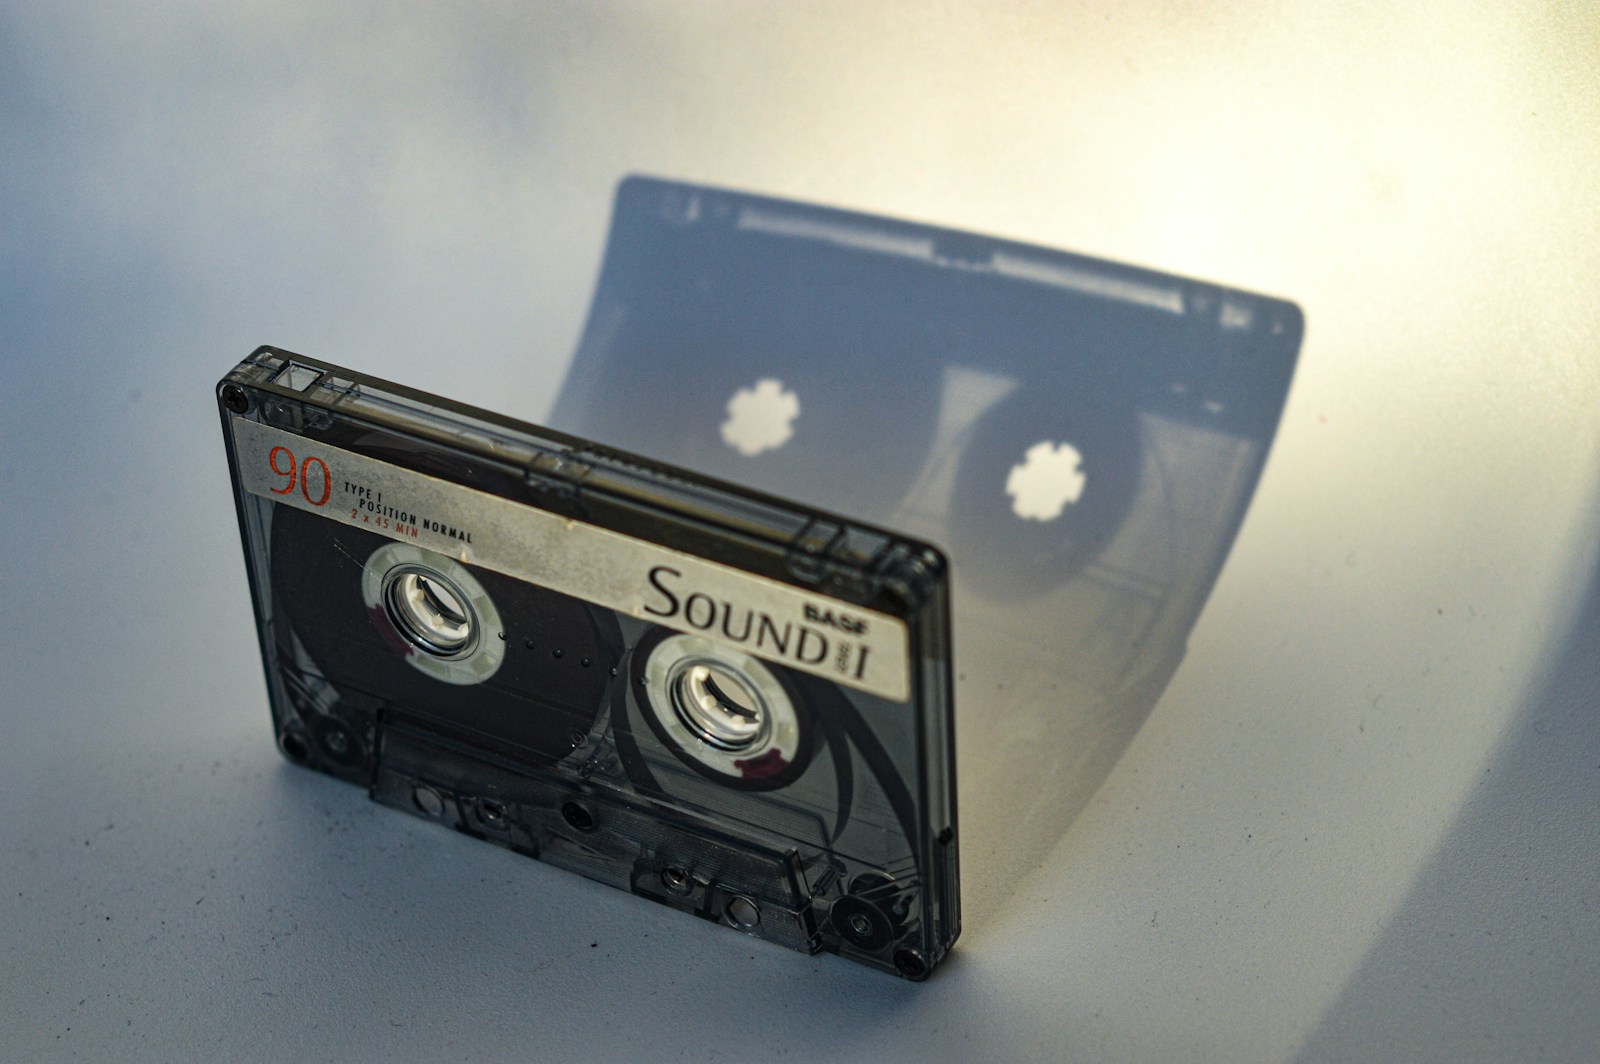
(858, 648)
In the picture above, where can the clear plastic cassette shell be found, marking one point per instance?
(713, 698)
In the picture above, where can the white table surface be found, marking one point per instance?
(1359, 825)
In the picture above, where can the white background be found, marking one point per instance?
(1360, 824)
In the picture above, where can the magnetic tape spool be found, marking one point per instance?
(828, 762)
(727, 716)
(543, 659)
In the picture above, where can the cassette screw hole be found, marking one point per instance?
(579, 817)
(234, 399)
(910, 964)
(294, 747)
(675, 879)
(427, 800)
(337, 742)
(493, 812)
(742, 913)
(557, 653)
(861, 925)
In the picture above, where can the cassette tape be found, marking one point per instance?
(713, 698)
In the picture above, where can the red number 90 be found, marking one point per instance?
(302, 474)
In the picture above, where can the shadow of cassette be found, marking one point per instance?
(1083, 438)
